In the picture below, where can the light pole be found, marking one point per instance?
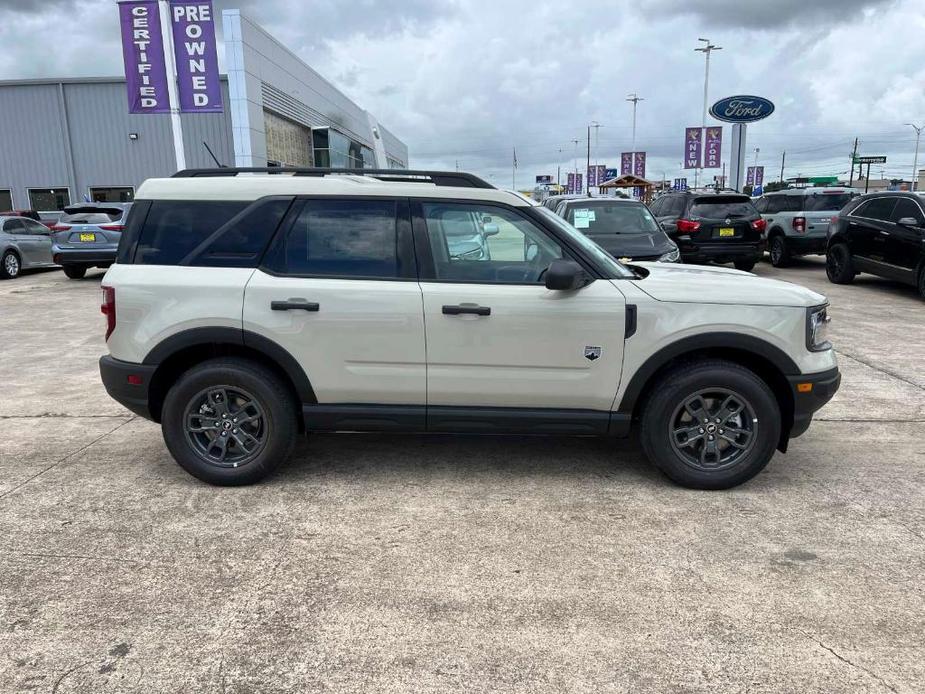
(575, 181)
(706, 50)
(596, 126)
(915, 159)
(635, 99)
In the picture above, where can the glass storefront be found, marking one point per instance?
(337, 151)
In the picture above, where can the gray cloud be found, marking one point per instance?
(775, 14)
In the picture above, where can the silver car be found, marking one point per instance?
(24, 244)
(87, 235)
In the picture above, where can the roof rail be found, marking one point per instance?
(438, 178)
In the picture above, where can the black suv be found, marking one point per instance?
(717, 227)
(879, 233)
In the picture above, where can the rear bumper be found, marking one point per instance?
(823, 387)
(115, 375)
(84, 256)
(720, 252)
(806, 244)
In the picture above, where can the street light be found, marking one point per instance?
(915, 160)
(635, 99)
(706, 50)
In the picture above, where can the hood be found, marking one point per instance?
(632, 245)
(718, 285)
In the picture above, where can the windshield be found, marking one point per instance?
(613, 268)
(612, 218)
(722, 207)
(831, 202)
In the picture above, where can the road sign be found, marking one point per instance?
(872, 160)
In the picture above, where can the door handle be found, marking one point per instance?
(294, 304)
(473, 310)
(884, 233)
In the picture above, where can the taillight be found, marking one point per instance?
(108, 308)
(59, 227)
(799, 224)
(686, 226)
(112, 227)
(759, 224)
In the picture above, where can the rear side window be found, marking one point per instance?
(174, 228)
(722, 207)
(341, 238)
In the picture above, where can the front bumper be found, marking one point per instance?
(132, 393)
(810, 393)
(720, 252)
(84, 256)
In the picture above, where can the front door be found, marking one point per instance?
(496, 337)
(906, 244)
(868, 228)
(338, 290)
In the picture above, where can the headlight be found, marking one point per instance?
(817, 328)
(672, 256)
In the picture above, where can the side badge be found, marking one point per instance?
(592, 353)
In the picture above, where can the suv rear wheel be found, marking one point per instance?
(74, 272)
(780, 254)
(229, 421)
(838, 265)
(712, 424)
(745, 265)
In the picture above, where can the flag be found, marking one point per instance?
(515, 157)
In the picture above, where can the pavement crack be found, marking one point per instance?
(66, 457)
(880, 369)
(848, 662)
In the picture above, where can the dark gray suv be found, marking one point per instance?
(87, 235)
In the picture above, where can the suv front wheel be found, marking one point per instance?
(229, 421)
(712, 424)
(838, 265)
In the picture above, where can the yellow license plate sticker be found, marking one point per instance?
(727, 231)
(87, 237)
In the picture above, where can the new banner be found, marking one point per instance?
(596, 174)
(692, 147)
(626, 163)
(713, 148)
(750, 176)
(197, 62)
(639, 164)
(759, 175)
(143, 55)
(573, 183)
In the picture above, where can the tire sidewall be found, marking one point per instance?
(682, 383)
(264, 386)
(784, 256)
(847, 271)
(3, 272)
(74, 272)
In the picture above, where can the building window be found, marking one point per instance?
(112, 194)
(6, 200)
(49, 199)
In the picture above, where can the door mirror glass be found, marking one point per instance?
(564, 275)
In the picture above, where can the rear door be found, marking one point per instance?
(40, 236)
(25, 241)
(496, 337)
(338, 290)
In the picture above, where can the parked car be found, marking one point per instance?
(243, 309)
(87, 235)
(625, 229)
(712, 227)
(882, 234)
(29, 214)
(798, 220)
(552, 202)
(24, 244)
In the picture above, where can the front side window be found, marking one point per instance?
(907, 209)
(13, 226)
(342, 238)
(482, 243)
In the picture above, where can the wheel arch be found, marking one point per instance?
(181, 351)
(767, 361)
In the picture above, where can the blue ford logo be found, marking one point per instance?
(741, 109)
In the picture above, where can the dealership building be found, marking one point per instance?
(69, 140)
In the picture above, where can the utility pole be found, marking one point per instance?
(635, 99)
(915, 159)
(576, 141)
(706, 50)
(854, 155)
(783, 158)
(592, 124)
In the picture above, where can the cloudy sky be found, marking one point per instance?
(469, 80)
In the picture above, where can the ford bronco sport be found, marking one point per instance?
(249, 305)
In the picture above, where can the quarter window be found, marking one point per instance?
(342, 238)
(173, 229)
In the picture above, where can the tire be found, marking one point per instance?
(745, 265)
(685, 457)
(272, 421)
(838, 265)
(74, 272)
(10, 266)
(780, 254)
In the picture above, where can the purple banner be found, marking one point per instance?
(692, 147)
(574, 183)
(759, 175)
(750, 176)
(143, 55)
(197, 62)
(713, 148)
(596, 174)
(639, 164)
(626, 163)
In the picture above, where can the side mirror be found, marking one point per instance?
(909, 222)
(489, 229)
(564, 275)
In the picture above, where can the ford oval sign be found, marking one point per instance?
(741, 109)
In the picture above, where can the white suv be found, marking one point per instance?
(247, 306)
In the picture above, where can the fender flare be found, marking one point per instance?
(720, 340)
(196, 337)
